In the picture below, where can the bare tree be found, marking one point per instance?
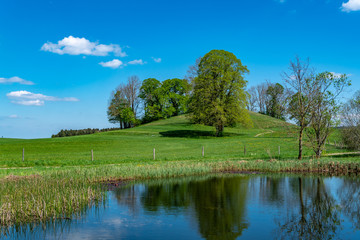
(300, 79)
(131, 91)
(262, 97)
(192, 72)
(252, 99)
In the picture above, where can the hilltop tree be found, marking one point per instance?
(276, 104)
(219, 98)
(151, 96)
(131, 91)
(124, 102)
(176, 96)
(118, 110)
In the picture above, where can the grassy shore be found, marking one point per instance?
(43, 194)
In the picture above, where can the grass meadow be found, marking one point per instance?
(58, 179)
(174, 139)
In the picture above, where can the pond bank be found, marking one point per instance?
(28, 195)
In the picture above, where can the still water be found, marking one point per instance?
(218, 207)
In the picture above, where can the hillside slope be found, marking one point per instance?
(174, 139)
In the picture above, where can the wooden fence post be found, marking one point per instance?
(279, 151)
(154, 154)
(92, 155)
(244, 149)
(203, 151)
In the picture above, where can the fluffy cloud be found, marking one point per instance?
(15, 80)
(13, 116)
(137, 62)
(158, 60)
(112, 64)
(351, 5)
(34, 99)
(81, 46)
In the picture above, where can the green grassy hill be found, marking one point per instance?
(174, 139)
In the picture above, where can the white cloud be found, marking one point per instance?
(13, 116)
(137, 62)
(81, 46)
(35, 99)
(115, 63)
(15, 80)
(158, 60)
(351, 5)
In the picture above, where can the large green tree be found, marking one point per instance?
(176, 96)
(219, 98)
(151, 95)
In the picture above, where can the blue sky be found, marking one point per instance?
(60, 60)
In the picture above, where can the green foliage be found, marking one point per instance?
(119, 110)
(176, 96)
(325, 109)
(151, 96)
(219, 98)
(163, 100)
(275, 107)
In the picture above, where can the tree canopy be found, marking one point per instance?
(219, 98)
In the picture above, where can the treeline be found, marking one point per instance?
(70, 132)
(158, 100)
(270, 99)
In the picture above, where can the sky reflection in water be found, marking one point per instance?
(219, 207)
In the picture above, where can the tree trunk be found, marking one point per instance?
(121, 126)
(219, 130)
(300, 143)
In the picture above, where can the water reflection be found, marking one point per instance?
(315, 216)
(228, 207)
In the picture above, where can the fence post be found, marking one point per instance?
(154, 154)
(203, 151)
(92, 155)
(279, 151)
(244, 149)
(23, 154)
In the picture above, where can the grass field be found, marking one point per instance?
(58, 180)
(174, 139)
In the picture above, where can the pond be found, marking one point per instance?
(225, 206)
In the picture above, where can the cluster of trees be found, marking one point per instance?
(164, 99)
(214, 93)
(159, 100)
(124, 103)
(70, 132)
(269, 99)
(309, 98)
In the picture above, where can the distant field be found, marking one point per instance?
(174, 139)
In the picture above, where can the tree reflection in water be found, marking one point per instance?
(218, 203)
(315, 215)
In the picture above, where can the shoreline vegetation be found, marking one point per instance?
(49, 194)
